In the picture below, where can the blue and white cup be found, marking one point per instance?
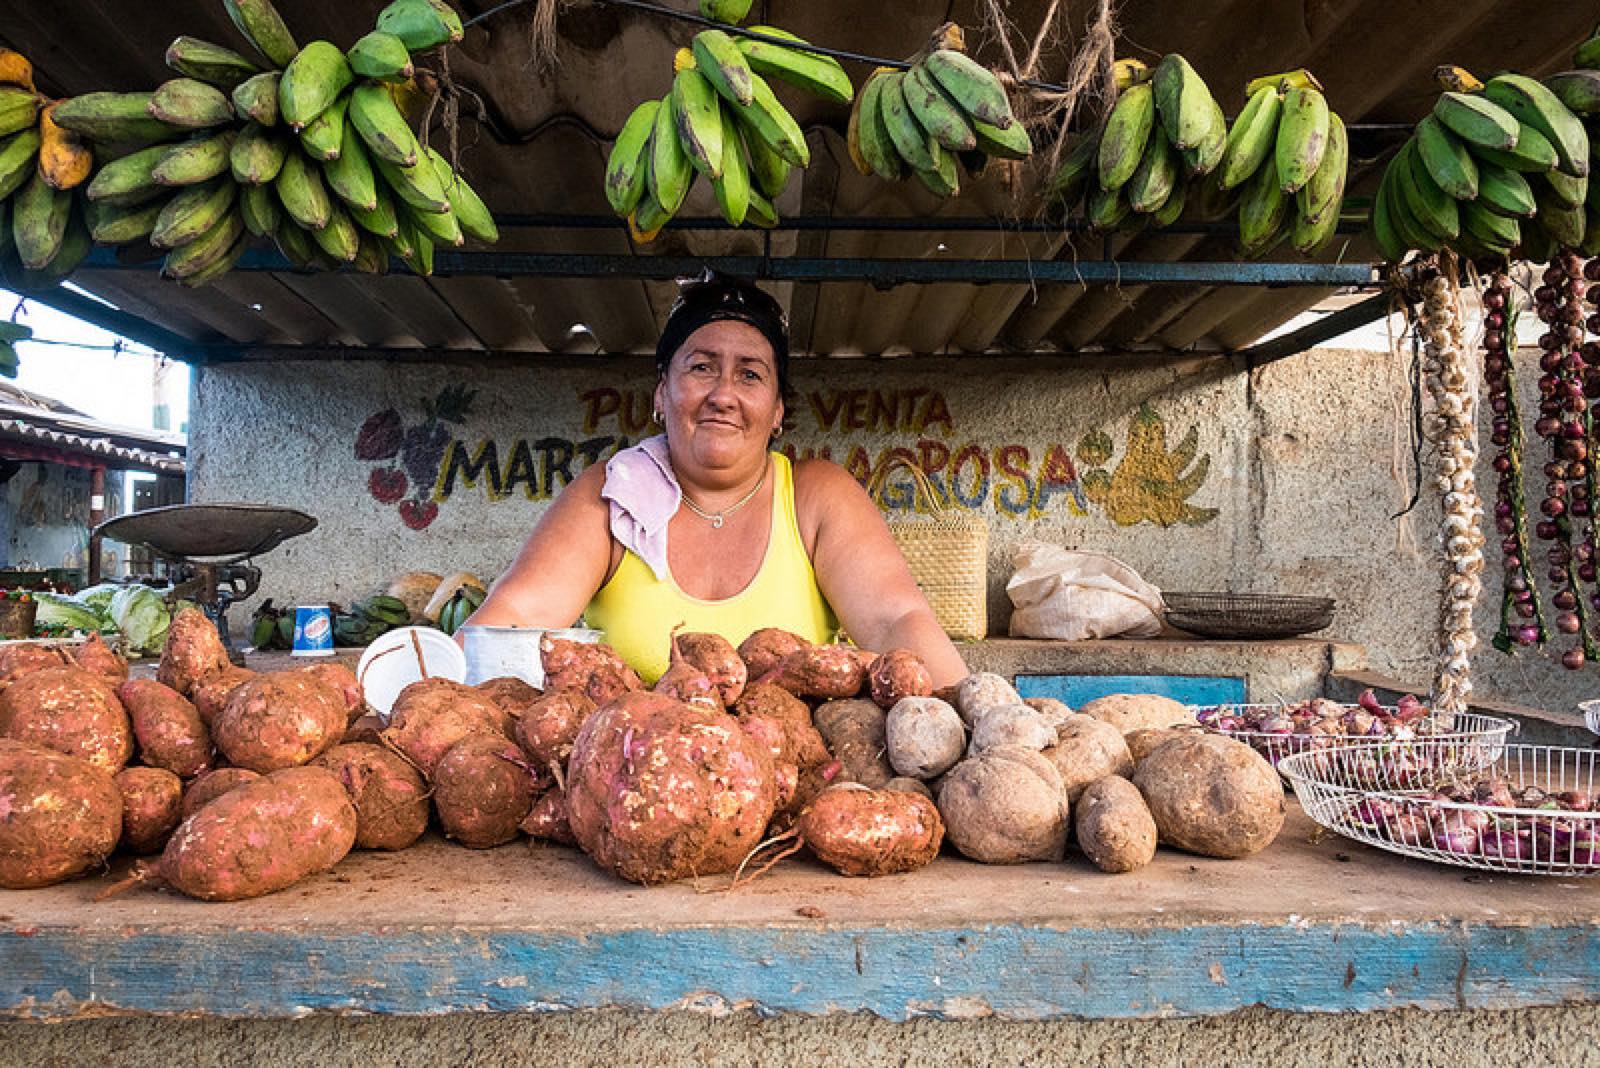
(313, 630)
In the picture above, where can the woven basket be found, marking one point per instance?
(948, 553)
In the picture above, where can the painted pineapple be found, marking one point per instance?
(1149, 485)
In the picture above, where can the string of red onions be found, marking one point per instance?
(1521, 621)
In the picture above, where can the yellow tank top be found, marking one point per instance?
(637, 611)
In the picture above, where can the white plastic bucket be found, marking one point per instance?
(494, 652)
(403, 656)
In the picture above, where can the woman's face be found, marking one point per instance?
(719, 399)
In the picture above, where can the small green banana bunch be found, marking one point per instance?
(920, 121)
(459, 608)
(1496, 169)
(720, 119)
(368, 619)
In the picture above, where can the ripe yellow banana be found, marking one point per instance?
(64, 160)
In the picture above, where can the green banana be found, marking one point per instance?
(257, 98)
(1170, 212)
(1185, 104)
(1203, 158)
(323, 137)
(441, 226)
(972, 85)
(195, 161)
(910, 140)
(340, 238)
(1323, 194)
(732, 189)
(209, 63)
(1389, 242)
(263, 629)
(941, 179)
(39, 222)
(1251, 140)
(762, 213)
(877, 149)
(1302, 137)
(295, 244)
(626, 167)
(1477, 120)
(1012, 142)
(772, 121)
(1588, 55)
(817, 74)
(647, 219)
(420, 24)
(220, 266)
(264, 28)
(1127, 132)
(936, 112)
(1156, 176)
(382, 57)
(1078, 167)
(1263, 208)
(422, 262)
(311, 83)
(381, 221)
(1412, 233)
(350, 174)
(19, 155)
(1537, 244)
(389, 609)
(123, 182)
(258, 154)
(1579, 90)
(670, 170)
(1533, 154)
(1568, 191)
(113, 118)
(111, 224)
(1565, 224)
(189, 103)
(19, 110)
(1310, 237)
(769, 171)
(1504, 191)
(193, 211)
(729, 11)
(724, 66)
(1534, 105)
(372, 257)
(467, 209)
(1428, 204)
(1107, 208)
(381, 125)
(1447, 159)
(697, 117)
(1495, 232)
(196, 255)
(300, 189)
(417, 185)
(258, 209)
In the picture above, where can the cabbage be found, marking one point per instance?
(142, 616)
(60, 610)
(98, 598)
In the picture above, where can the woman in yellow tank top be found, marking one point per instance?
(757, 542)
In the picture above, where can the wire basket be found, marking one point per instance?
(1247, 615)
(1393, 801)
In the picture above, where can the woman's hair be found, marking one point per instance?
(713, 297)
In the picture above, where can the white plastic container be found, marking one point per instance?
(403, 656)
(493, 652)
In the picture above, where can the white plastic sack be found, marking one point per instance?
(1072, 595)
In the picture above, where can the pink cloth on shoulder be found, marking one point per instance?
(642, 494)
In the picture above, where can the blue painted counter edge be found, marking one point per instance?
(1012, 972)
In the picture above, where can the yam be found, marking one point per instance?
(60, 815)
(683, 681)
(482, 789)
(1138, 711)
(261, 836)
(856, 733)
(167, 727)
(829, 672)
(24, 658)
(390, 798)
(1005, 806)
(70, 711)
(547, 819)
(278, 721)
(766, 648)
(152, 806)
(368, 730)
(209, 695)
(1141, 743)
(978, 693)
(897, 674)
(906, 784)
(658, 790)
(1114, 827)
(342, 681)
(924, 737)
(857, 831)
(596, 671)
(548, 729)
(430, 716)
(193, 653)
(1015, 724)
(802, 744)
(212, 785)
(98, 658)
(719, 661)
(1212, 795)
(1087, 750)
(514, 696)
(1054, 712)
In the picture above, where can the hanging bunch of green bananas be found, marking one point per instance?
(721, 119)
(920, 121)
(459, 608)
(1497, 169)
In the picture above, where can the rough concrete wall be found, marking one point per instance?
(1249, 1038)
(46, 514)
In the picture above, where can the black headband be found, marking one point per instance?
(715, 297)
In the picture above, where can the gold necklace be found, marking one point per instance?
(716, 518)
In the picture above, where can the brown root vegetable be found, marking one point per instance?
(856, 733)
(368, 730)
(278, 721)
(24, 658)
(924, 737)
(548, 729)
(1142, 743)
(596, 671)
(658, 790)
(1087, 750)
(1212, 795)
(1005, 806)
(59, 816)
(261, 836)
(343, 682)
(766, 648)
(70, 711)
(1138, 711)
(857, 831)
(95, 656)
(211, 694)
(482, 789)
(897, 674)
(212, 785)
(908, 785)
(719, 661)
(430, 716)
(803, 745)
(514, 696)
(547, 819)
(1016, 724)
(830, 672)
(390, 798)
(1054, 712)
(1114, 827)
(978, 693)
(167, 727)
(194, 651)
(152, 806)
(683, 681)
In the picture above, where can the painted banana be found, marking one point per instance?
(1127, 132)
(817, 74)
(719, 59)
(311, 83)
(697, 117)
(1302, 137)
(626, 168)
(937, 112)
(1252, 138)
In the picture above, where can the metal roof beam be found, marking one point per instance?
(1311, 335)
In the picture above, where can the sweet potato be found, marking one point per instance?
(831, 672)
(212, 785)
(658, 790)
(261, 837)
(152, 806)
(71, 711)
(193, 652)
(856, 733)
(343, 682)
(547, 819)
(430, 716)
(896, 674)
(24, 658)
(211, 693)
(482, 789)
(548, 729)
(924, 737)
(978, 693)
(59, 816)
(803, 745)
(1212, 795)
(1138, 711)
(857, 831)
(368, 730)
(719, 661)
(278, 721)
(98, 658)
(1114, 827)
(596, 671)
(683, 681)
(167, 727)
(1142, 743)
(514, 696)
(766, 648)
(390, 798)
(1086, 751)
(1005, 806)
(1016, 724)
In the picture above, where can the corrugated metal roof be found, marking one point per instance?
(76, 434)
(543, 152)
